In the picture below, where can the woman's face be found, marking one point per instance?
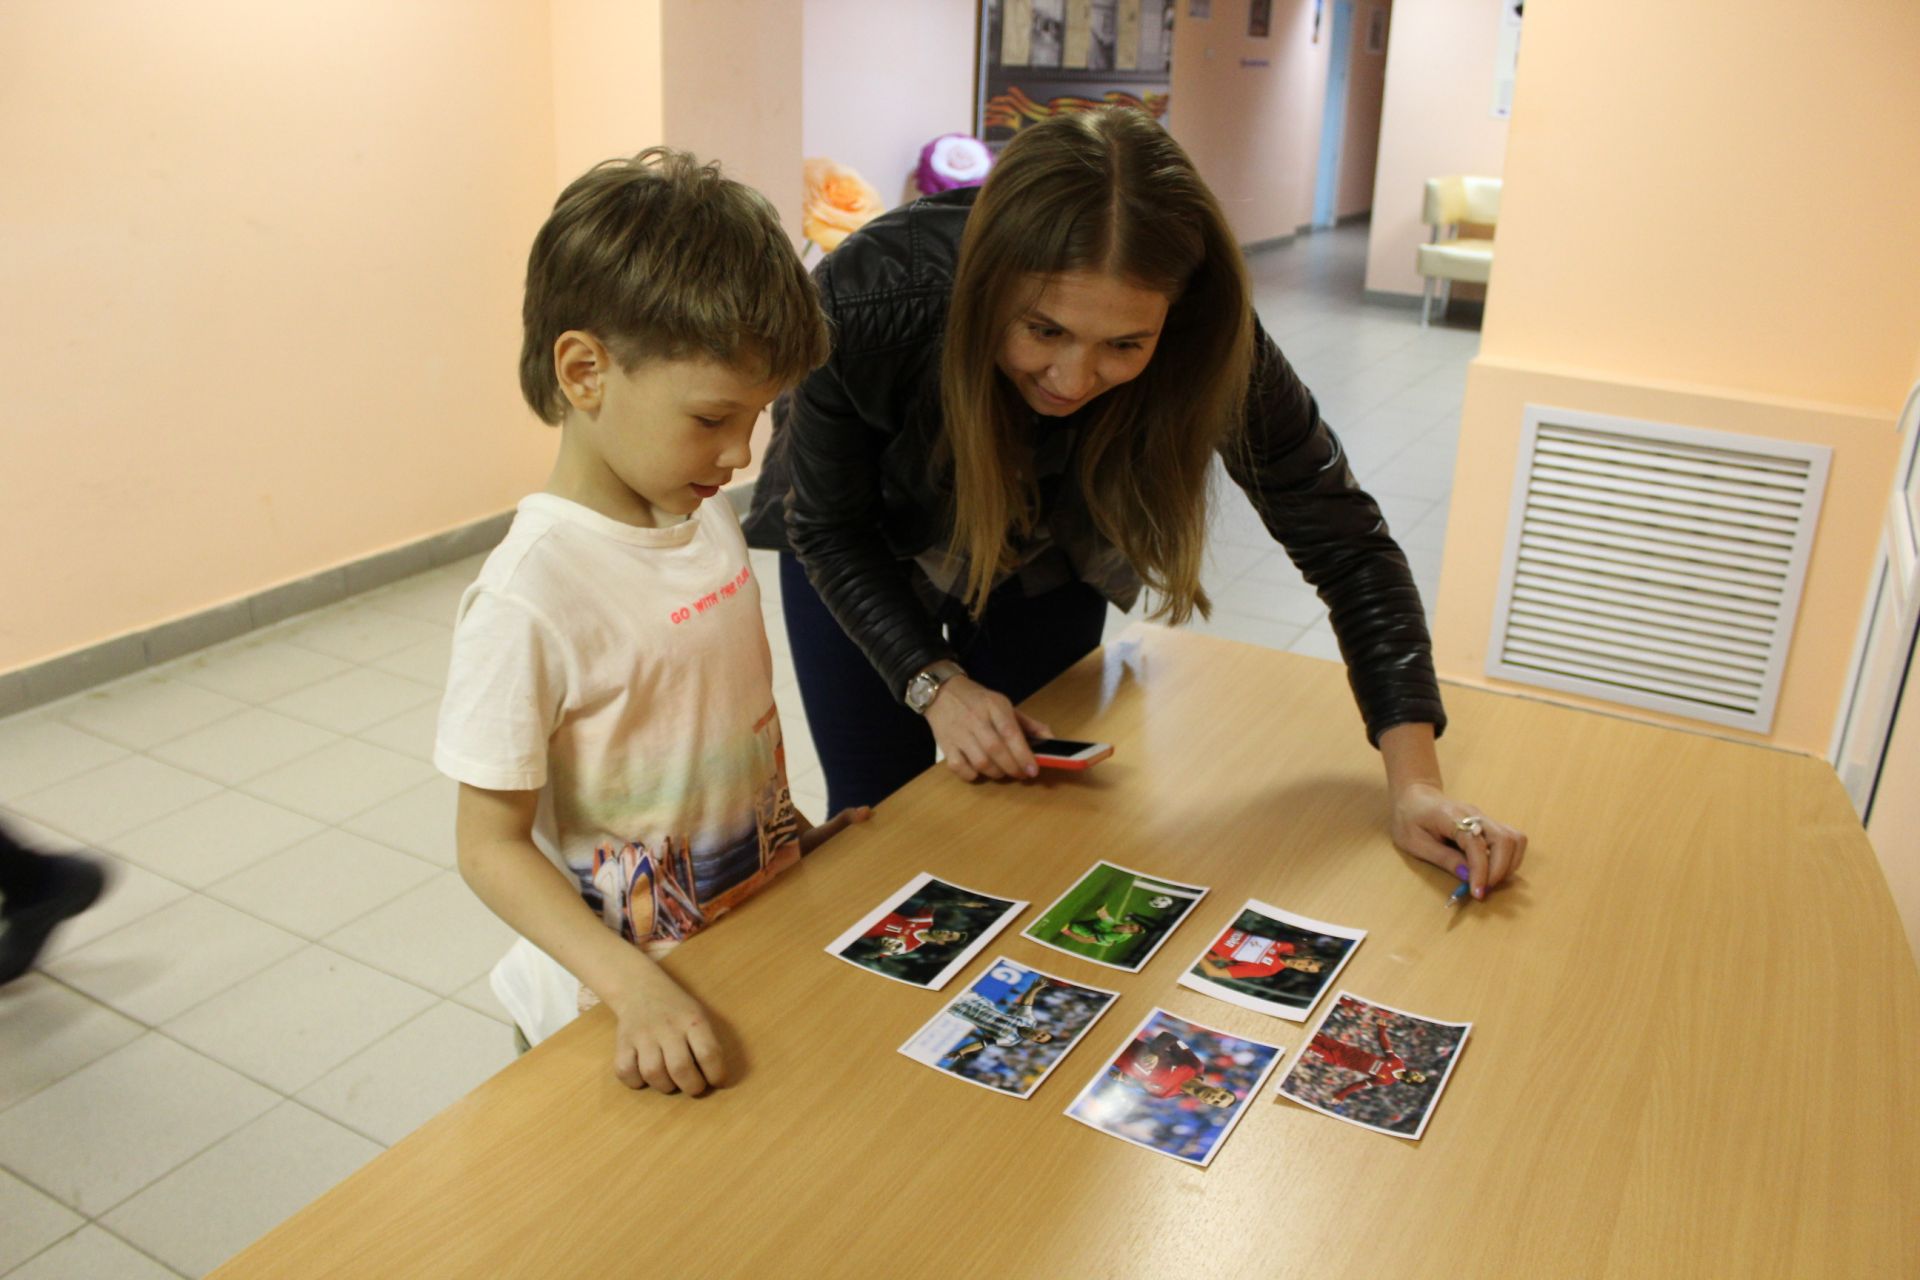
(1076, 335)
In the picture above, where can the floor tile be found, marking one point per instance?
(411, 733)
(133, 893)
(425, 662)
(37, 751)
(257, 669)
(50, 1031)
(1318, 642)
(114, 1126)
(292, 1022)
(354, 632)
(211, 839)
(478, 996)
(92, 1254)
(336, 782)
(313, 887)
(438, 936)
(167, 962)
(355, 699)
(113, 799)
(1295, 606)
(413, 1074)
(418, 822)
(239, 1189)
(430, 597)
(1247, 629)
(33, 1221)
(244, 745)
(146, 710)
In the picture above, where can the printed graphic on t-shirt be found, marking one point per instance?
(668, 887)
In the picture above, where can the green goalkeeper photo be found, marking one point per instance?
(1115, 916)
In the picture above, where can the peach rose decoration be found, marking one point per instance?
(838, 203)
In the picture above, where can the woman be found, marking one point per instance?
(1028, 387)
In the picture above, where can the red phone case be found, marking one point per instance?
(1061, 762)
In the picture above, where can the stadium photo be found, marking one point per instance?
(1376, 1067)
(1115, 917)
(1009, 1029)
(1176, 1087)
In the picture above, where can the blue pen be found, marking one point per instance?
(1465, 891)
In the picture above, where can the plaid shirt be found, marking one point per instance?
(1000, 1026)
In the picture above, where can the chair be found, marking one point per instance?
(1446, 256)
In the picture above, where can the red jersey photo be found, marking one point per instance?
(1248, 955)
(1158, 1066)
(1381, 1069)
(910, 930)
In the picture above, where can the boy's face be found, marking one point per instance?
(648, 446)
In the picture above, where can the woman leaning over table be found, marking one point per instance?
(1028, 386)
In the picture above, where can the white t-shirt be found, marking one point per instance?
(624, 673)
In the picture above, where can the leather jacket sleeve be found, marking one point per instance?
(835, 516)
(1292, 467)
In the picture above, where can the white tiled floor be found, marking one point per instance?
(287, 974)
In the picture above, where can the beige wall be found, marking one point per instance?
(880, 81)
(732, 91)
(1437, 118)
(1253, 132)
(262, 270)
(1641, 272)
(264, 264)
(607, 83)
(1366, 87)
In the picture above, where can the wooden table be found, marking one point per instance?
(1695, 1051)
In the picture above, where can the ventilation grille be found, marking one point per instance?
(1654, 565)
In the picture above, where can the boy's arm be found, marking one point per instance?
(664, 1038)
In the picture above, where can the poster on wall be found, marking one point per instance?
(1259, 17)
(1506, 58)
(1038, 58)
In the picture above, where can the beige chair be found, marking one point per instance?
(1447, 256)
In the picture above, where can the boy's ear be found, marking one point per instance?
(581, 363)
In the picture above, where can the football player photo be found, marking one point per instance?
(1009, 1029)
(1115, 916)
(1176, 1087)
(926, 933)
(1376, 1066)
(1273, 961)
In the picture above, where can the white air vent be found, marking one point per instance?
(1654, 565)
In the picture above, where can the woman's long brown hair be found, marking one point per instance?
(1107, 191)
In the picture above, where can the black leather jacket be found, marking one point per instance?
(849, 485)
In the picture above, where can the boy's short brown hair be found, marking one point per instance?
(661, 256)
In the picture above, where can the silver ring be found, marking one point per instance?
(1469, 824)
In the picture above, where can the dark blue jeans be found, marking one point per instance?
(869, 743)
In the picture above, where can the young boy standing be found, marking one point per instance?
(609, 711)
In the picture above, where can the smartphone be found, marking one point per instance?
(1062, 753)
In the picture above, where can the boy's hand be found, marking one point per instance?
(664, 1039)
(812, 837)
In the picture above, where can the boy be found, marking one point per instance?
(609, 711)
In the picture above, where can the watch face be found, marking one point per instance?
(920, 691)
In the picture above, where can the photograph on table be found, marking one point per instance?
(1009, 1029)
(1273, 961)
(925, 933)
(1176, 1087)
(1376, 1066)
(1115, 916)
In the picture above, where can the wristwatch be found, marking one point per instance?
(925, 687)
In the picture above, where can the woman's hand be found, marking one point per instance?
(981, 733)
(1427, 825)
(662, 1037)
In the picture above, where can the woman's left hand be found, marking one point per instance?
(1432, 828)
